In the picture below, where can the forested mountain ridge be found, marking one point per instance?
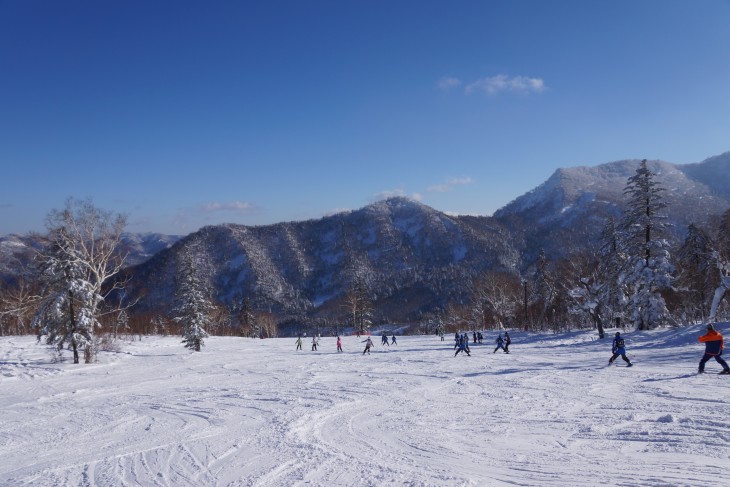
(408, 256)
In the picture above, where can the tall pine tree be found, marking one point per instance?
(644, 227)
(193, 308)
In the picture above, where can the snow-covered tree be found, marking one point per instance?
(357, 298)
(193, 308)
(696, 279)
(77, 266)
(649, 271)
(495, 297)
(544, 288)
(17, 304)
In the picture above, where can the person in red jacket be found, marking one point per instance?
(714, 344)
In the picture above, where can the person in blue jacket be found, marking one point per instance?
(500, 343)
(463, 345)
(619, 348)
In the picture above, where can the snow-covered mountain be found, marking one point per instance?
(16, 251)
(141, 246)
(573, 203)
(413, 258)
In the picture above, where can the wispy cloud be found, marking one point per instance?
(448, 83)
(211, 213)
(384, 195)
(6, 205)
(337, 211)
(238, 207)
(501, 83)
(449, 185)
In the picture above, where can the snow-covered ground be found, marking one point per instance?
(256, 412)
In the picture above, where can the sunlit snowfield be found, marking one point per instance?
(257, 412)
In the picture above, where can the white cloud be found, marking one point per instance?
(384, 195)
(232, 207)
(449, 185)
(448, 83)
(500, 83)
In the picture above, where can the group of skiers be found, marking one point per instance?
(461, 342)
(713, 340)
(368, 343)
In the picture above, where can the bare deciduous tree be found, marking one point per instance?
(81, 256)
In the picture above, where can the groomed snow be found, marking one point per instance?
(258, 413)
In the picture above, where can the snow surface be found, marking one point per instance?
(259, 413)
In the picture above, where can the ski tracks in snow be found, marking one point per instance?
(257, 413)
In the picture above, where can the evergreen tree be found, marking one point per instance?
(194, 307)
(696, 279)
(649, 270)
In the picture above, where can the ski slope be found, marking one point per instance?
(258, 413)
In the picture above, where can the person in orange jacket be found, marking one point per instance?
(714, 344)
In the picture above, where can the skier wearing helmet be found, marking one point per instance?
(619, 348)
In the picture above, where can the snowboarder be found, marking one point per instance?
(299, 342)
(500, 344)
(392, 340)
(463, 345)
(315, 342)
(619, 348)
(507, 341)
(339, 344)
(714, 344)
(368, 343)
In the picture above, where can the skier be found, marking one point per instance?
(500, 343)
(619, 348)
(507, 341)
(441, 334)
(465, 337)
(339, 344)
(368, 343)
(393, 342)
(384, 340)
(480, 337)
(463, 345)
(714, 344)
(315, 342)
(299, 342)
(475, 338)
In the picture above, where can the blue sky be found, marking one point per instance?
(187, 113)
